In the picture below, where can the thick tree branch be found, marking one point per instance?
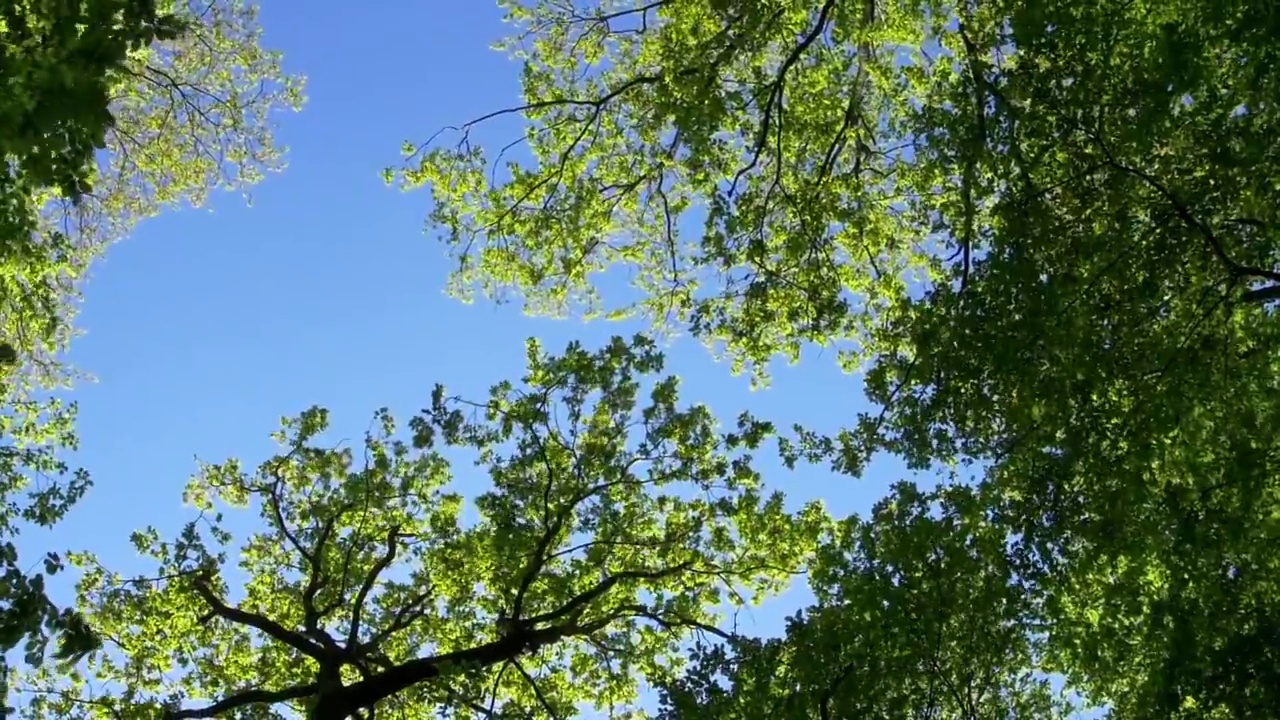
(404, 616)
(293, 639)
(317, 580)
(241, 699)
(550, 531)
(272, 493)
(537, 691)
(1263, 294)
(675, 621)
(1234, 268)
(371, 579)
(316, 577)
(970, 176)
(775, 98)
(370, 691)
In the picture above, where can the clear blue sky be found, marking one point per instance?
(206, 327)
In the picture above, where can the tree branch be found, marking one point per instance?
(404, 616)
(369, 691)
(362, 595)
(1262, 294)
(266, 625)
(580, 601)
(1235, 268)
(241, 699)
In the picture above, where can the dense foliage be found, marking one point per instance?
(615, 524)
(1047, 232)
(58, 62)
(112, 109)
(920, 614)
(191, 115)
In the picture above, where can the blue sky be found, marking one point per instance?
(208, 325)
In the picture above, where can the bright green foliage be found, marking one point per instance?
(58, 61)
(188, 114)
(757, 119)
(615, 522)
(33, 434)
(1048, 230)
(174, 116)
(57, 65)
(192, 114)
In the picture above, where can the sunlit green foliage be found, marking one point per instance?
(57, 66)
(193, 115)
(615, 523)
(112, 110)
(1048, 232)
(58, 61)
(33, 434)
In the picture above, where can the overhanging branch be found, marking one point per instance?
(264, 624)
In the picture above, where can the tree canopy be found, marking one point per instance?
(1047, 233)
(920, 614)
(57, 62)
(191, 115)
(617, 522)
(113, 109)
(1046, 236)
